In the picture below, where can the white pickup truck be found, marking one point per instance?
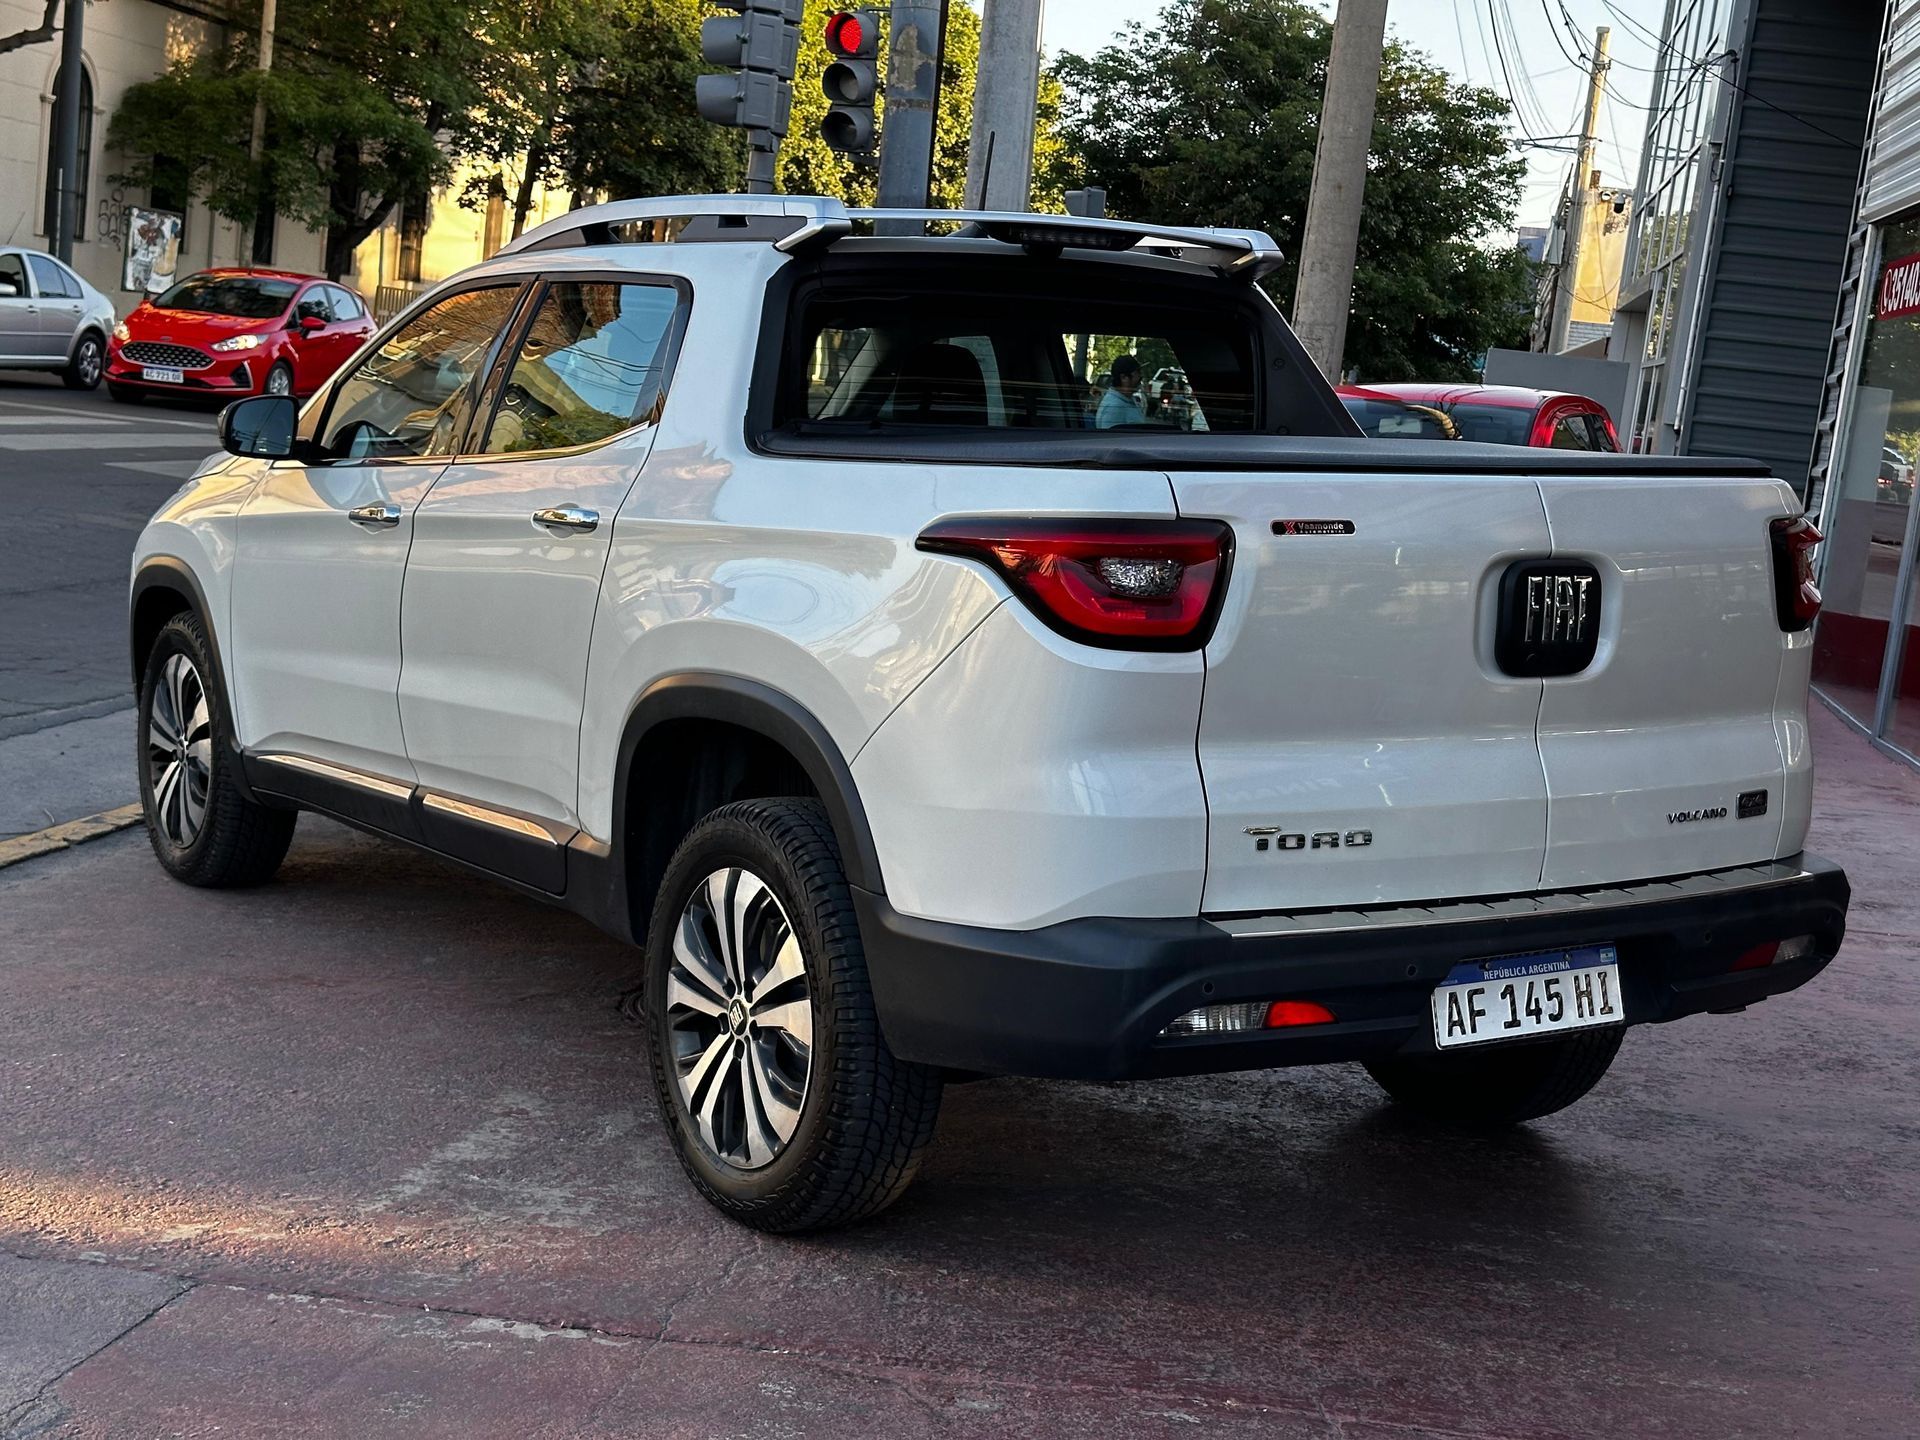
(838, 616)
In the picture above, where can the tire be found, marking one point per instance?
(125, 394)
(1501, 1085)
(722, 1035)
(185, 753)
(279, 379)
(88, 364)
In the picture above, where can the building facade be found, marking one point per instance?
(130, 41)
(1867, 646)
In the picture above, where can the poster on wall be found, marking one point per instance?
(153, 249)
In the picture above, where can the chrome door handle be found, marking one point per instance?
(568, 517)
(375, 515)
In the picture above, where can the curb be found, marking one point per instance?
(64, 837)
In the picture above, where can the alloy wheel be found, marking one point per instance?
(739, 1018)
(279, 382)
(179, 751)
(87, 363)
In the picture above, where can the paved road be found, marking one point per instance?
(368, 1152)
(79, 475)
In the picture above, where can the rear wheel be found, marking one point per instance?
(203, 827)
(784, 1104)
(1502, 1085)
(89, 361)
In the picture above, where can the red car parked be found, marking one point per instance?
(1498, 414)
(237, 332)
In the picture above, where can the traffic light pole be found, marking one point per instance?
(760, 163)
(1324, 293)
(913, 90)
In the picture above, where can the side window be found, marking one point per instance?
(1597, 430)
(1570, 433)
(412, 395)
(316, 304)
(345, 307)
(592, 364)
(14, 273)
(47, 277)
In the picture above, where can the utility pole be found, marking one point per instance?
(1005, 96)
(1324, 293)
(913, 88)
(67, 133)
(1580, 202)
(264, 217)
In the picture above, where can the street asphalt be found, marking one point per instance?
(369, 1152)
(79, 475)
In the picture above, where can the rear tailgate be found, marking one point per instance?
(1357, 742)
(1695, 698)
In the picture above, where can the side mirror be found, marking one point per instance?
(311, 323)
(259, 427)
(9, 290)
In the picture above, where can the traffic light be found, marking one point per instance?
(853, 39)
(760, 44)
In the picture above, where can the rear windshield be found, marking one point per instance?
(246, 296)
(1393, 420)
(1037, 362)
(1493, 424)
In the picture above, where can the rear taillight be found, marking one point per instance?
(1796, 596)
(1124, 584)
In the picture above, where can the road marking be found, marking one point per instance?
(166, 469)
(72, 411)
(52, 418)
(65, 837)
(111, 440)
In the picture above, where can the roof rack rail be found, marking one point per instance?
(787, 220)
(797, 222)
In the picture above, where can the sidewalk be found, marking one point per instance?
(370, 1152)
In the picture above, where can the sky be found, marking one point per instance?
(1458, 35)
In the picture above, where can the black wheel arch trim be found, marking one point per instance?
(169, 572)
(751, 705)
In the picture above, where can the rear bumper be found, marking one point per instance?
(1088, 999)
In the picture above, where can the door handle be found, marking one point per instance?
(375, 515)
(568, 517)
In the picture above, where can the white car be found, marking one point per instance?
(51, 319)
(754, 586)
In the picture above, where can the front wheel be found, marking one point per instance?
(125, 394)
(1501, 1085)
(204, 828)
(279, 380)
(88, 363)
(784, 1104)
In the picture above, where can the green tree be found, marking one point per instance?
(1209, 115)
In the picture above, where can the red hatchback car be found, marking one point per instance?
(1498, 414)
(237, 332)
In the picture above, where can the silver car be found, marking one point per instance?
(51, 319)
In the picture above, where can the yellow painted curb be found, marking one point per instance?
(61, 837)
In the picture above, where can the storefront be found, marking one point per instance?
(1866, 658)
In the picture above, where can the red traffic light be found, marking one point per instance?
(854, 34)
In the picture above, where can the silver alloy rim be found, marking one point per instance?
(89, 366)
(739, 1019)
(179, 751)
(279, 382)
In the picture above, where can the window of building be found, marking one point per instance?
(51, 218)
(1866, 652)
(593, 364)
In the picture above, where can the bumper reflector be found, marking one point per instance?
(1247, 1015)
(1774, 952)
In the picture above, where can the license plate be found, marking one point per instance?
(1540, 993)
(164, 374)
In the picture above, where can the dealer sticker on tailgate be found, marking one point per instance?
(1516, 996)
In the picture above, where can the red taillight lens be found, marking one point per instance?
(1282, 1013)
(1124, 584)
(1796, 596)
(1758, 958)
